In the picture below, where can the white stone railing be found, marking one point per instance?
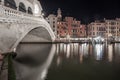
(11, 14)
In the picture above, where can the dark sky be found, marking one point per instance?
(84, 10)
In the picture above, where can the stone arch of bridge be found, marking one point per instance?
(30, 11)
(38, 34)
(22, 7)
(42, 33)
(10, 3)
(26, 3)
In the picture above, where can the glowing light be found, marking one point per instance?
(102, 39)
(14, 50)
(43, 14)
(99, 38)
(36, 9)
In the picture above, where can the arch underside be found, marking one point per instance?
(22, 7)
(30, 10)
(39, 34)
(10, 3)
(10, 38)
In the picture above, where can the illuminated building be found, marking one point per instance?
(106, 28)
(72, 27)
(96, 28)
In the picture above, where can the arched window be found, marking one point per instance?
(10, 3)
(22, 7)
(30, 10)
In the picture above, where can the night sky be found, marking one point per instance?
(84, 10)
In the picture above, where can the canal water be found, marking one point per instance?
(72, 61)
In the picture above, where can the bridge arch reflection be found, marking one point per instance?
(33, 61)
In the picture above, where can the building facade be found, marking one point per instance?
(96, 29)
(106, 28)
(72, 27)
(52, 20)
(82, 31)
(66, 27)
(112, 27)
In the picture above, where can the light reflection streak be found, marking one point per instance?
(64, 48)
(58, 60)
(99, 51)
(57, 49)
(117, 48)
(110, 53)
(76, 48)
(84, 49)
(68, 51)
(81, 57)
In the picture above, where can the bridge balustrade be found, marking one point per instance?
(6, 12)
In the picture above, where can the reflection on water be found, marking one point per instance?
(110, 52)
(85, 62)
(33, 60)
(72, 61)
(98, 51)
(99, 48)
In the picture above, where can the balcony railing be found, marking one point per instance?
(9, 13)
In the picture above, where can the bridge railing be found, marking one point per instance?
(7, 12)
